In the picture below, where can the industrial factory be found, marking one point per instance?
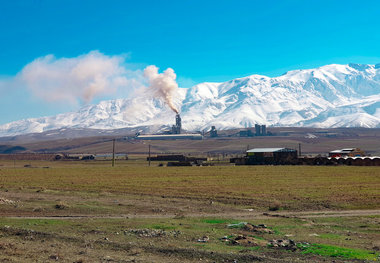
(176, 129)
(174, 134)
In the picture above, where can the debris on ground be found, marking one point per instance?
(4, 201)
(204, 239)
(260, 228)
(54, 257)
(251, 241)
(225, 239)
(152, 232)
(6, 246)
(108, 259)
(61, 205)
(244, 240)
(288, 244)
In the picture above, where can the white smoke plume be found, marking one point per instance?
(71, 79)
(163, 84)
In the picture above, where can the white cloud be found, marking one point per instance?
(70, 82)
(73, 80)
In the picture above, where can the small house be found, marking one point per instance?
(347, 152)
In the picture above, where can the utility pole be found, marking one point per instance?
(299, 149)
(113, 152)
(149, 155)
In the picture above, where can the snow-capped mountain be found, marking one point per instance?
(329, 96)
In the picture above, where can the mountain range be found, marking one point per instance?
(330, 96)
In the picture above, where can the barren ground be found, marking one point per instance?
(90, 212)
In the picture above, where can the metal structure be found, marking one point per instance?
(260, 130)
(176, 129)
(213, 132)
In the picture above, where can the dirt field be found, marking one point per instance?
(313, 141)
(90, 212)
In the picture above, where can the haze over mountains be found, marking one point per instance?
(326, 97)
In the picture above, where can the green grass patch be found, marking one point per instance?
(219, 221)
(257, 237)
(238, 225)
(33, 222)
(277, 230)
(339, 252)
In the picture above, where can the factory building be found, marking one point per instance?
(170, 137)
(260, 130)
(246, 133)
(174, 134)
(265, 156)
(271, 155)
(176, 129)
(213, 132)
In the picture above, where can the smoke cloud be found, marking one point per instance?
(163, 85)
(71, 79)
(70, 82)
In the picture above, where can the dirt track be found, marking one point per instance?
(241, 215)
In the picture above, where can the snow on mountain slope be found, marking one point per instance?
(298, 98)
(329, 96)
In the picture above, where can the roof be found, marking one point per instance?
(346, 150)
(109, 154)
(170, 136)
(267, 150)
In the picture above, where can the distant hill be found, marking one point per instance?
(326, 97)
(6, 149)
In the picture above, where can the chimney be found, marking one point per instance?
(178, 123)
(176, 129)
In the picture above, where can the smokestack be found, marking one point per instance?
(178, 123)
(163, 84)
(176, 129)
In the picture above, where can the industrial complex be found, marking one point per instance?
(174, 134)
(211, 143)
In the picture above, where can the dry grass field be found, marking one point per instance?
(72, 211)
(257, 187)
(313, 141)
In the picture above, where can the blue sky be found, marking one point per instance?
(200, 40)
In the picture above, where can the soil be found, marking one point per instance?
(134, 206)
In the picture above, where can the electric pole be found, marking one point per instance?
(113, 152)
(149, 155)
